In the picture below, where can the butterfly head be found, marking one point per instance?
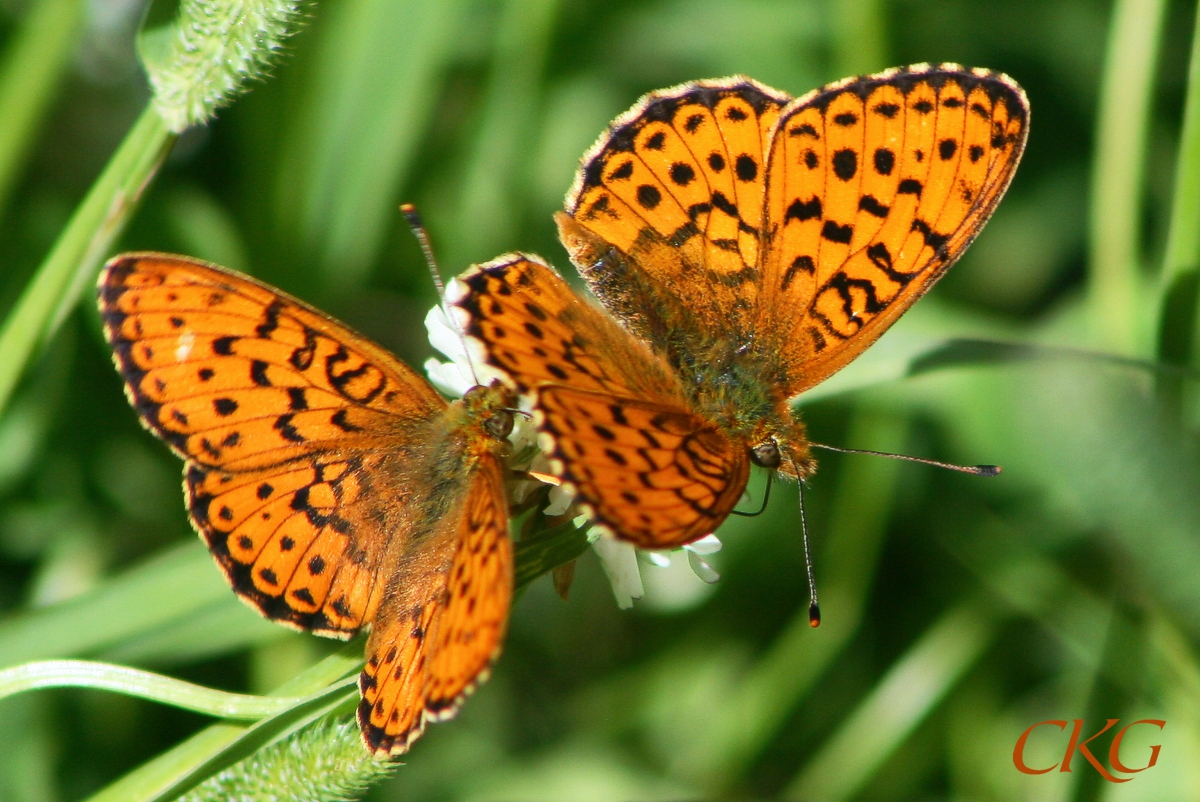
(492, 407)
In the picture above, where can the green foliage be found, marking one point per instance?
(957, 611)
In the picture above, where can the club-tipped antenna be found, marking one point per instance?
(814, 605)
(766, 498)
(973, 470)
(418, 229)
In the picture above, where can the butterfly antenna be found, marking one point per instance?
(973, 470)
(418, 229)
(814, 605)
(766, 498)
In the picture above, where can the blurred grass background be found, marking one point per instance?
(957, 611)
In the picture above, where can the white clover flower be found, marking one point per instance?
(455, 377)
(620, 564)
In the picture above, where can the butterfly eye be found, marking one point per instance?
(500, 424)
(766, 454)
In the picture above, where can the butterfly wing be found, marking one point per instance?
(443, 621)
(875, 187)
(664, 218)
(290, 425)
(657, 476)
(615, 421)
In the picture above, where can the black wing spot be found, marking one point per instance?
(909, 186)
(655, 142)
(316, 566)
(286, 543)
(947, 149)
(922, 107)
(176, 322)
(804, 130)
(297, 398)
(981, 110)
(975, 152)
(888, 110)
(845, 164)
(179, 417)
(231, 439)
(952, 103)
(616, 456)
(716, 161)
(801, 264)
(845, 119)
(223, 346)
(269, 576)
(885, 160)
(534, 330)
(283, 424)
(225, 514)
(225, 406)
(682, 174)
(735, 114)
(556, 371)
(264, 491)
(920, 154)
(835, 233)
(603, 432)
(693, 122)
(803, 210)
(340, 420)
(304, 595)
(245, 543)
(721, 202)
(622, 172)
(648, 196)
(871, 205)
(205, 374)
(258, 373)
(810, 159)
(746, 168)
(932, 238)
(340, 607)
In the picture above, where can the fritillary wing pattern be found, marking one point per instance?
(278, 411)
(658, 476)
(875, 187)
(426, 655)
(664, 217)
(612, 416)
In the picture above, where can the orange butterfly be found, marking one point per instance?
(752, 245)
(332, 484)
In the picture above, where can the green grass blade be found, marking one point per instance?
(166, 588)
(72, 263)
(33, 66)
(1177, 331)
(352, 145)
(142, 684)
(902, 699)
(489, 207)
(212, 749)
(791, 667)
(1118, 171)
